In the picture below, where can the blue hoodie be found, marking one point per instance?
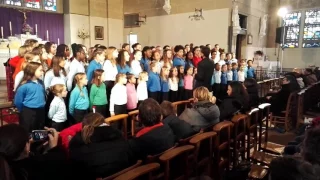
(224, 79)
(31, 95)
(179, 62)
(235, 75)
(153, 82)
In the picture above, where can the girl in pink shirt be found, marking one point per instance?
(188, 83)
(132, 98)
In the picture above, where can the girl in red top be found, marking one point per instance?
(196, 56)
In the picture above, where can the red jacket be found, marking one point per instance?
(196, 60)
(14, 61)
(66, 135)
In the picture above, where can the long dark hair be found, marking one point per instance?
(293, 84)
(61, 50)
(239, 92)
(56, 67)
(13, 139)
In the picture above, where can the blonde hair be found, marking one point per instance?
(162, 75)
(119, 76)
(30, 56)
(77, 78)
(109, 55)
(202, 94)
(58, 88)
(23, 50)
(142, 75)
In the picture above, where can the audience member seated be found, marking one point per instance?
(204, 112)
(155, 137)
(99, 150)
(252, 89)
(311, 146)
(295, 146)
(289, 168)
(278, 100)
(317, 73)
(297, 73)
(67, 134)
(309, 77)
(237, 101)
(181, 129)
(18, 163)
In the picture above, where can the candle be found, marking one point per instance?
(1, 32)
(47, 35)
(36, 29)
(10, 27)
(58, 41)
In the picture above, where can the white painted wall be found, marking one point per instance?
(115, 36)
(296, 58)
(179, 29)
(113, 30)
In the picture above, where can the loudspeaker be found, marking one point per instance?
(279, 32)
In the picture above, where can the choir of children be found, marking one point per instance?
(113, 83)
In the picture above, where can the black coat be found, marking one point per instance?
(107, 153)
(180, 128)
(204, 73)
(51, 166)
(153, 142)
(279, 100)
(254, 98)
(232, 105)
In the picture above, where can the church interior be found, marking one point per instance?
(160, 89)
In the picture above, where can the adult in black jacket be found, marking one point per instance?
(99, 150)
(180, 128)
(156, 137)
(279, 99)
(237, 101)
(17, 163)
(205, 70)
(252, 89)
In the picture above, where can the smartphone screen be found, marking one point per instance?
(40, 135)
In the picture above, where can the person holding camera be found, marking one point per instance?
(17, 162)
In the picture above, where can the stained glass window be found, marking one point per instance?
(32, 4)
(13, 2)
(311, 35)
(292, 27)
(50, 5)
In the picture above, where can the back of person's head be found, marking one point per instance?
(205, 51)
(237, 89)
(288, 168)
(293, 83)
(13, 142)
(202, 94)
(150, 112)
(167, 109)
(251, 84)
(90, 121)
(61, 49)
(308, 71)
(311, 146)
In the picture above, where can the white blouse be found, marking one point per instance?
(74, 68)
(173, 84)
(118, 96)
(142, 91)
(136, 68)
(18, 80)
(51, 80)
(110, 71)
(241, 76)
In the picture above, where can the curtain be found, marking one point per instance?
(52, 22)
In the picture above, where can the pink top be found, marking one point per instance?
(188, 82)
(132, 98)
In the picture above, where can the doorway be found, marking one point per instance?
(240, 42)
(132, 39)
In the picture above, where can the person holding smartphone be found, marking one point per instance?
(20, 163)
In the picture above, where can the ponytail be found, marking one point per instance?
(86, 133)
(90, 121)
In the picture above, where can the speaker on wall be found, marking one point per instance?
(279, 33)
